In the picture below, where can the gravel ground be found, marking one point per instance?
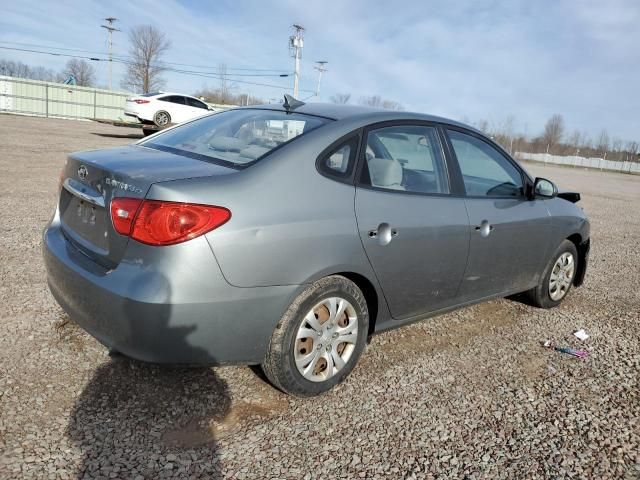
(469, 394)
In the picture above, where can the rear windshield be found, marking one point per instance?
(235, 137)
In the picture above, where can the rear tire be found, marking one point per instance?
(557, 278)
(162, 119)
(319, 339)
(148, 131)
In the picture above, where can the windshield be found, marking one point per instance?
(235, 137)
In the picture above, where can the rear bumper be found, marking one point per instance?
(164, 305)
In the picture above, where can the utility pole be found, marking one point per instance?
(321, 67)
(296, 42)
(110, 28)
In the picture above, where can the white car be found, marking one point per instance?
(161, 109)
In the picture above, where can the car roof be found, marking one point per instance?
(158, 94)
(342, 112)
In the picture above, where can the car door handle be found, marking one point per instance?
(485, 228)
(384, 233)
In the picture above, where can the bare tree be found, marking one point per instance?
(483, 126)
(632, 149)
(82, 70)
(603, 142)
(148, 46)
(11, 68)
(553, 131)
(372, 101)
(392, 105)
(378, 102)
(341, 98)
(215, 95)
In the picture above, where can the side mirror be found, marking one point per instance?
(544, 188)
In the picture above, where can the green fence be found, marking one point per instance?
(49, 99)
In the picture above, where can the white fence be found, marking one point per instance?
(597, 163)
(49, 99)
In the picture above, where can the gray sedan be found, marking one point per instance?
(286, 235)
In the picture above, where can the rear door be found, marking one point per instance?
(509, 234)
(414, 231)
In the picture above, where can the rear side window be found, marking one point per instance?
(405, 158)
(235, 137)
(485, 171)
(173, 99)
(192, 102)
(340, 160)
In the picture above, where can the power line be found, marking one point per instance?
(174, 70)
(51, 47)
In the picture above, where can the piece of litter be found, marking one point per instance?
(567, 350)
(581, 334)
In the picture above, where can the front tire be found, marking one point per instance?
(319, 339)
(557, 278)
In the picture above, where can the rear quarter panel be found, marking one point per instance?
(289, 225)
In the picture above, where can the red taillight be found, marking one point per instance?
(165, 223)
(123, 211)
(140, 100)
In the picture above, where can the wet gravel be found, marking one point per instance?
(470, 394)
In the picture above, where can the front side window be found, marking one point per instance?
(485, 171)
(235, 137)
(407, 158)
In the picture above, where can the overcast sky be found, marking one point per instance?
(465, 60)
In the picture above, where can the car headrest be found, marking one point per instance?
(227, 144)
(386, 173)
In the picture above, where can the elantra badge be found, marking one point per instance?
(122, 186)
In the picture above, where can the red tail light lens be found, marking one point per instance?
(123, 211)
(139, 101)
(166, 223)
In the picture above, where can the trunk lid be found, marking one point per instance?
(91, 179)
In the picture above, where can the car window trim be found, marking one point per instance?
(361, 160)
(343, 140)
(526, 180)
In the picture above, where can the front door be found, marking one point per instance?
(509, 233)
(415, 234)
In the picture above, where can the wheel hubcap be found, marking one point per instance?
(326, 339)
(162, 119)
(561, 276)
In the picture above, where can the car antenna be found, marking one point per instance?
(291, 103)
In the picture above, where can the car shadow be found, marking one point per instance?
(135, 419)
(119, 135)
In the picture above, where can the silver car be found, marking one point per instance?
(286, 235)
